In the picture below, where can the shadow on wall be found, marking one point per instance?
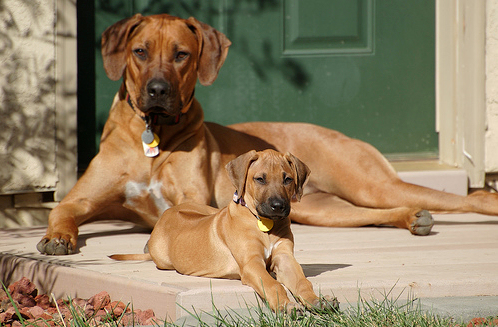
(28, 135)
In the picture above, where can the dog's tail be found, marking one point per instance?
(123, 257)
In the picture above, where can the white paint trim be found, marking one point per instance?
(460, 85)
(66, 101)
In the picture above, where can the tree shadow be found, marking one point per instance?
(28, 82)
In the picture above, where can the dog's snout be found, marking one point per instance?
(274, 207)
(277, 205)
(160, 96)
(157, 88)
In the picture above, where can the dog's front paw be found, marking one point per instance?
(326, 303)
(55, 246)
(294, 308)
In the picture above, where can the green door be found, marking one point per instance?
(363, 67)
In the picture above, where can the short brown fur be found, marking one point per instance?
(352, 183)
(198, 240)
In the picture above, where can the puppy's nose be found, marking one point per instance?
(157, 88)
(278, 206)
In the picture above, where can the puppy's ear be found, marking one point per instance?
(114, 41)
(237, 170)
(301, 172)
(213, 50)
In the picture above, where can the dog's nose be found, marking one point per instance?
(278, 206)
(157, 88)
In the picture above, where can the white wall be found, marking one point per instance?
(27, 95)
(38, 148)
(491, 136)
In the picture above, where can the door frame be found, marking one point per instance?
(66, 97)
(460, 85)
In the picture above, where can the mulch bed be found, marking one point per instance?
(483, 322)
(40, 309)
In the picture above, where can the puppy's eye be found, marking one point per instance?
(288, 180)
(181, 55)
(260, 180)
(140, 53)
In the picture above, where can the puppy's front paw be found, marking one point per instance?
(294, 308)
(327, 303)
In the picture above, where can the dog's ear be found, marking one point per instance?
(237, 170)
(114, 40)
(301, 172)
(213, 50)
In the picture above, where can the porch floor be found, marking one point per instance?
(457, 262)
(453, 270)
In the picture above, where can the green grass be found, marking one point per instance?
(388, 312)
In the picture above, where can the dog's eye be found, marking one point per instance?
(140, 53)
(181, 55)
(288, 180)
(260, 180)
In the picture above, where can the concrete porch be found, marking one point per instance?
(457, 262)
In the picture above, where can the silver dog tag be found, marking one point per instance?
(147, 136)
(150, 142)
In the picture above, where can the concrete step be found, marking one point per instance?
(458, 259)
(432, 174)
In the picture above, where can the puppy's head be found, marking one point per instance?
(160, 58)
(268, 181)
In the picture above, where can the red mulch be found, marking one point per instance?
(40, 310)
(483, 322)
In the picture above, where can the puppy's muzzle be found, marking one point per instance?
(274, 208)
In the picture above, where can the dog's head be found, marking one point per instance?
(268, 181)
(160, 58)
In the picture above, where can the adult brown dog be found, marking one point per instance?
(198, 240)
(160, 58)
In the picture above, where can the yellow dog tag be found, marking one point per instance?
(265, 224)
(155, 141)
(150, 142)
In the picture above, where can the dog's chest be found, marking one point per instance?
(146, 198)
(270, 248)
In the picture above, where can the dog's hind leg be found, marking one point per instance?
(322, 209)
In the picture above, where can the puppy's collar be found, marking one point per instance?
(264, 224)
(239, 200)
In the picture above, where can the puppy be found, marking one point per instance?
(246, 240)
